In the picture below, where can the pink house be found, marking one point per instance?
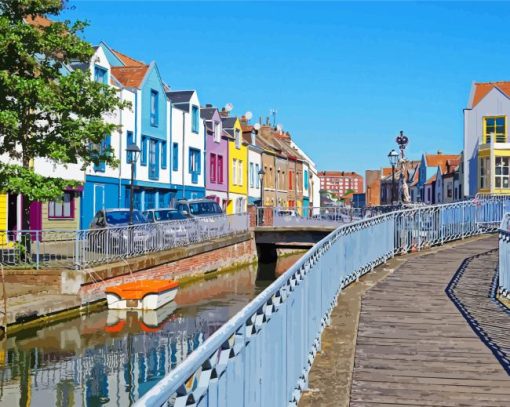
(216, 160)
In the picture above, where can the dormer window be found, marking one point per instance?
(238, 138)
(154, 112)
(217, 132)
(100, 74)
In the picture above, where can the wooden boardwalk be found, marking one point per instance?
(415, 348)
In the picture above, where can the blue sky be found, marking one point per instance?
(344, 77)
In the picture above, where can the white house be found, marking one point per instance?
(187, 156)
(486, 145)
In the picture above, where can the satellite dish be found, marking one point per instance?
(248, 115)
(279, 127)
(229, 107)
(256, 126)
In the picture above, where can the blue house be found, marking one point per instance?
(144, 124)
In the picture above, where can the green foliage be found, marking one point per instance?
(49, 105)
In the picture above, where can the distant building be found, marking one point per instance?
(341, 183)
(359, 200)
(486, 144)
(427, 174)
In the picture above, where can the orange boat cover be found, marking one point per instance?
(136, 290)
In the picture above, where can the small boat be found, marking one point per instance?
(141, 295)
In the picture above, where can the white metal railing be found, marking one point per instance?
(85, 248)
(263, 354)
(504, 257)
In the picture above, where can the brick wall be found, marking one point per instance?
(214, 260)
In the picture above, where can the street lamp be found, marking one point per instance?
(393, 158)
(261, 178)
(133, 152)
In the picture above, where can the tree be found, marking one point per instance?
(47, 108)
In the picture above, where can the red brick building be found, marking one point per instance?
(341, 182)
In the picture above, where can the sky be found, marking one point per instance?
(344, 77)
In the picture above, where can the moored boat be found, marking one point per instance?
(141, 295)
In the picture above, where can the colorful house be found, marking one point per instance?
(486, 143)
(237, 164)
(254, 164)
(187, 144)
(144, 124)
(427, 174)
(216, 147)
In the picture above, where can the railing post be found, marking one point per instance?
(37, 248)
(76, 250)
(462, 221)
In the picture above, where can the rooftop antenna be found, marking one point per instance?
(273, 112)
(229, 107)
(248, 115)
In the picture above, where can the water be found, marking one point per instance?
(111, 358)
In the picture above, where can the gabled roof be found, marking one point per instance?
(181, 98)
(228, 122)
(482, 89)
(207, 113)
(126, 60)
(130, 76)
(431, 180)
(435, 160)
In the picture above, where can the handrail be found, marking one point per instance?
(396, 232)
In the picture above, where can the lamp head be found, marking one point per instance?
(393, 157)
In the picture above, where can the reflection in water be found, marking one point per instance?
(113, 357)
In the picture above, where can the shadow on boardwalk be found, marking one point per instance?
(413, 346)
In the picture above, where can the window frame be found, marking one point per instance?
(164, 156)
(212, 167)
(484, 173)
(501, 177)
(154, 108)
(220, 169)
(143, 152)
(175, 156)
(52, 205)
(195, 119)
(502, 136)
(98, 68)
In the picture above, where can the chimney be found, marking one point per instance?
(208, 105)
(439, 152)
(223, 112)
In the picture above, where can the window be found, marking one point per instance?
(130, 139)
(257, 177)
(194, 119)
(234, 171)
(143, 152)
(238, 138)
(62, 208)
(217, 132)
(163, 155)
(100, 75)
(175, 157)
(290, 179)
(194, 164)
(101, 150)
(153, 159)
(154, 108)
(494, 126)
(306, 179)
(240, 172)
(484, 173)
(220, 169)
(212, 168)
(252, 179)
(502, 173)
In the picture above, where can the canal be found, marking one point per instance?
(111, 358)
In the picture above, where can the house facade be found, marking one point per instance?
(145, 124)
(216, 147)
(486, 155)
(187, 139)
(237, 172)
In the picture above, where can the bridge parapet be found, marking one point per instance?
(264, 353)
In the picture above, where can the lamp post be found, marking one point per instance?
(261, 177)
(133, 152)
(393, 158)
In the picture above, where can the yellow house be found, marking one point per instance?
(3, 218)
(237, 167)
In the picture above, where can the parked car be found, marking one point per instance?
(110, 232)
(211, 219)
(169, 233)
